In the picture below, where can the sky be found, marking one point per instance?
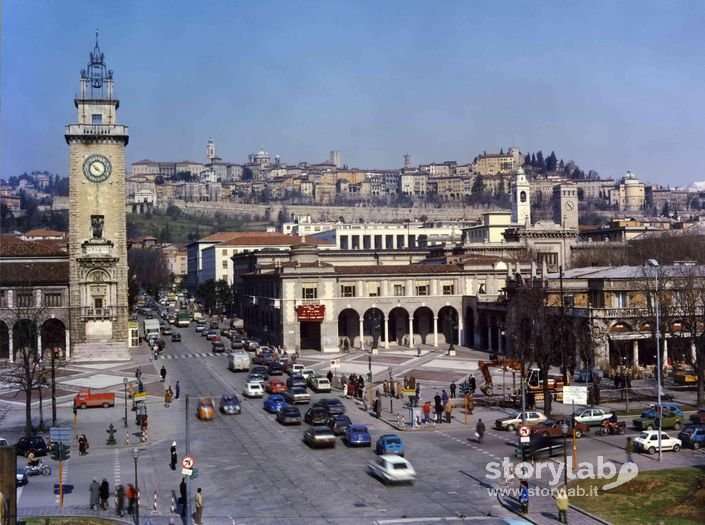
(612, 85)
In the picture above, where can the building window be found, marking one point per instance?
(621, 300)
(25, 300)
(225, 265)
(423, 289)
(52, 299)
(309, 291)
(597, 299)
(347, 290)
(399, 290)
(448, 289)
(3, 299)
(96, 118)
(372, 289)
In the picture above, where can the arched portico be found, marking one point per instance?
(470, 327)
(25, 339)
(4, 341)
(423, 323)
(450, 324)
(348, 328)
(373, 327)
(53, 336)
(399, 328)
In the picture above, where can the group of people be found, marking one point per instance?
(100, 494)
(392, 388)
(443, 404)
(354, 386)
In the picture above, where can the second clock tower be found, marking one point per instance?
(97, 231)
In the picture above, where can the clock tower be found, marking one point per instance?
(565, 205)
(97, 236)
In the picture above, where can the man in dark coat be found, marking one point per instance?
(173, 455)
(104, 492)
(438, 402)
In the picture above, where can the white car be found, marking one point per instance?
(514, 420)
(592, 416)
(320, 384)
(307, 372)
(294, 369)
(391, 468)
(253, 389)
(648, 442)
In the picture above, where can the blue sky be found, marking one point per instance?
(611, 85)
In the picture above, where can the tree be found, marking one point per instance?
(540, 162)
(174, 212)
(551, 162)
(208, 293)
(478, 185)
(165, 234)
(150, 269)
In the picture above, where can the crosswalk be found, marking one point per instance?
(190, 355)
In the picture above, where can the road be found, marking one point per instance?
(253, 470)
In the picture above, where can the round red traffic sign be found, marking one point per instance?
(524, 431)
(188, 462)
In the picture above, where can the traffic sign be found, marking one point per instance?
(525, 439)
(575, 394)
(139, 395)
(187, 462)
(335, 363)
(186, 471)
(61, 435)
(524, 432)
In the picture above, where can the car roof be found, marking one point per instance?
(358, 428)
(393, 458)
(321, 428)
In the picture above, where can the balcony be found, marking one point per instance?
(96, 130)
(96, 314)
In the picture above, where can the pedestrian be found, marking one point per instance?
(452, 390)
(345, 390)
(131, 499)
(417, 397)
(120, 500)
(95, 494)
(391, 389)
(351, 386)
(449, 410)
(82, 445)
(182, 497)
(138, 373)
(378, 407)
(385, 388)
(472, 384)
(562, 504)
(343, 382)
(360, 389)
(524, 496)
(412, 383)
(168, 396)
(199, 507)
(104, 492)
(469, 402)
(629, 449)
(172, 450)
(365, 400)
(329, 375)
(162, 373)
(444, 396)
(406, 382)
(480, 430)
(177, 390)
(438, 402)
(427, 412)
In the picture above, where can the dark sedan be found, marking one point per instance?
(296, 380)
(230, 404)
(338, 424)
(218, 347)
(276, 369)
(176, 337)
(332, 405)
(316, 416)
(36, 443)
(357, 435)
(263, 359)
(289, 415)
(319, 436)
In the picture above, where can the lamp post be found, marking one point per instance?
(124, 382)
(136, 455)
(654, 264)
(451, 325)
(564, 430)
(54, 352)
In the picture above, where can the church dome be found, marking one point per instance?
(630, 178)
(261, 154)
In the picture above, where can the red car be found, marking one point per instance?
(276, 386)
(551, 428)
(698, 417)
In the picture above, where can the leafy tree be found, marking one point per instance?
(540, 162)
(551, 162)
(666, 210)
(165, 234)
(478, 185)
(173, 211)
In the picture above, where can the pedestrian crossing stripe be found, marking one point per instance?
(189, 356)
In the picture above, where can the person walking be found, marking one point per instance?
(162, 373)
(438, 402)
(182, 497)
(444, 396)
(199, 507)
(629, 449)
(562, 504)
(524, 496)
(82, 445)
(449, 410)
(138, 373)
(94, 494)
(177, 390)
(168, 396)
(104, 492)
(329, 375)
(385, 388)
(427, 412)
(480, 430)
(172, 451)
(453, 386)
(131, 499)
(378, 407)
(120, 500)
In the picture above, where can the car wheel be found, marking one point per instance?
(676, 448)
(602, 431)
(651, 450)
(696, 446)
(510, 427)
(649, 427)
(578, 434)
(83, 406)
(546, 434)
(106, 405)
(677, 426)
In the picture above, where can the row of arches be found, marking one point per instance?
(24, 333)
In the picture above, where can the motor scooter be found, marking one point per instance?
(610, 426)
(39, 468)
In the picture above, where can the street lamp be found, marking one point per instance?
(654, 264)
(451, 325)
(564, 430)
(54, 352)
(124, 382)
(136, 455)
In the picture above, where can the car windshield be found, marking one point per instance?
(549, 422)
(399, 466)
(644, 435)
(393, 441)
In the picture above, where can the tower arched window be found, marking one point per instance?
(522, 196)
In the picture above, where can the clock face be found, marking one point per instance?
(97, 168)
(570, 205)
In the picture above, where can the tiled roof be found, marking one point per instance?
(34, 274)
(262, 238)
(11, 246)
(44, 233)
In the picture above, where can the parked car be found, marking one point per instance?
(294, 369)
(205, 332)
(86, 398)
(514, 420)
(649, 420)
(554, 428)
(338, 424)
(319, 436)
(316, 416)
(238, 361)
(253, 389)
(274, 403)
(389, 444)
(205, 410)
(254, 377)
(230, 404)
(390, 468)
(698, 417)
(263, 359)
(176, 337)
(592, 416)
(21, 476)
(36, 443)
(296, 380)
(294, 395)
(332, 405)
(306, 373)
(647, 442)
(276, 369)
(276, 386)
(693, 436)
(671, 407)
(319, 384)
(357, 435)
(218, 347)
(289, 415)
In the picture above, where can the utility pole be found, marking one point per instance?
(187, 503)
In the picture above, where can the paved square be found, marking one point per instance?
(455, 364)
(95, 381)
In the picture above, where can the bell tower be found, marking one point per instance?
(521, 203)
(97, 233)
